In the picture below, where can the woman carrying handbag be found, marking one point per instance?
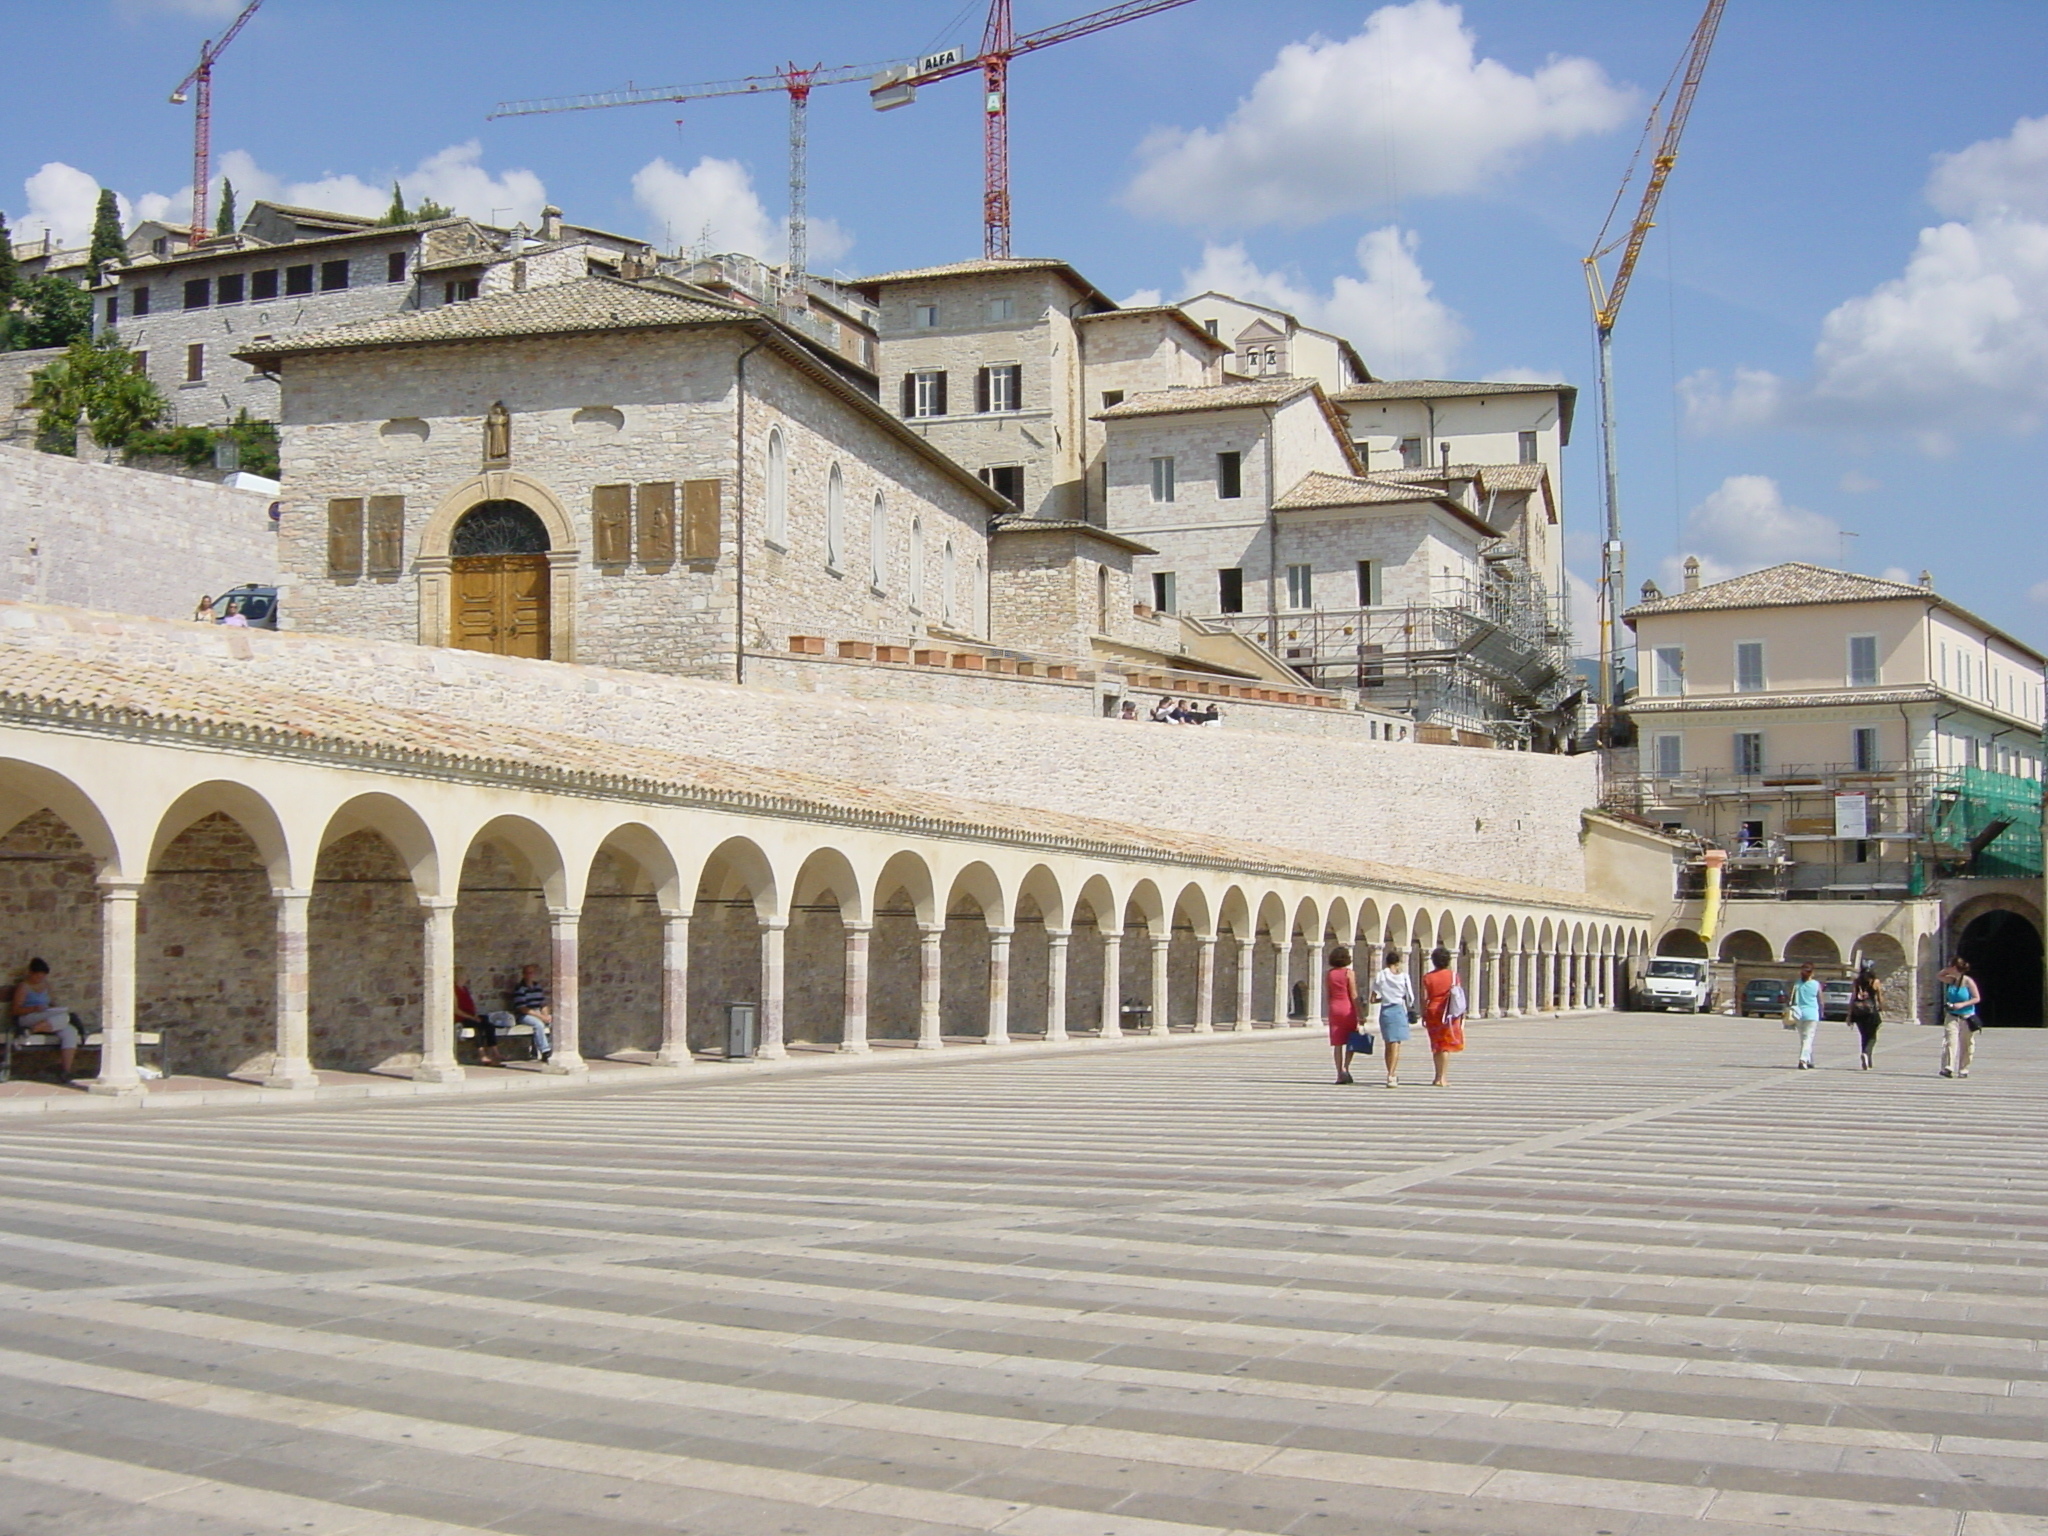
(1959, 1021)
(1342, 995)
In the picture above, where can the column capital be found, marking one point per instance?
(565, 914)
(442, 903)
(773, 924)
(118, 888)
(1000, 933)
(853, 925)
(674, 914)
(289, 893)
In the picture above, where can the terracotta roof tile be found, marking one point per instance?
(1209, 397)
(1792, 584)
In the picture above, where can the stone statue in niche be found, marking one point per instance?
(498, 435)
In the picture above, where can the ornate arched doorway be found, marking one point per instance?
(499, 561)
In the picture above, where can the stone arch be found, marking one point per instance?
(207, 935)
(1365, 928)
(906, 906)
(825, 895)
(2002, 943)
(976, 906)
(878, 544)
(1812, 944)
(1682, 942)
(435, 559)
(835, 517)
(509, 874)
(775, 490)
(1337, 926)
(1745, 946)
(399, 825)
(239, 803)
(1097, 923)
(27, 788)
(631, 881)
(1887, 956)
(1191, 932)
(735, 893)
(1039, 912)
(50, 866)
(365, 941)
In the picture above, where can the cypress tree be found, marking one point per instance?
(10, 271)
(108, 243)
(396, 214)
(226, 223)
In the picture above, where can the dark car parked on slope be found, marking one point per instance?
(1765, 998)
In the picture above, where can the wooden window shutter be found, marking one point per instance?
(1016, 372)
(701, 518)
(658, 523)
(941, 403)
(345, 537)
(612, 511)
(386, 536)
(981, 391)
(909, 395)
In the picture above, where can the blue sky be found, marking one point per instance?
(1840, 326)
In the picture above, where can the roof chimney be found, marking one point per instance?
(1692, 573)
(1650, 592)
(551, 223)
(1927, 579)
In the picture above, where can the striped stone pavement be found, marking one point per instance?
(1625, 1277)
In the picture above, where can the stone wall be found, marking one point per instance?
(123, 539)
(17, 421)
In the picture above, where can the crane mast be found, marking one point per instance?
(1606, 297)
(198, 87)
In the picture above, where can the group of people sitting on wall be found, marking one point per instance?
(1172, 711)
(528, 1006)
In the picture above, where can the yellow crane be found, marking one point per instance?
(1670, 111)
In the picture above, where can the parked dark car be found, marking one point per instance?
(1765, 998)
(1834, 999)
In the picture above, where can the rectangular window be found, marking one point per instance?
(195, 363)
(1411, 453)
(139, 303)
(298, 280)
(1667, 675)
(1368, 584)
(1863, 661)
(1749, 666)
(1230, 591)
(656, 522)
(460, 291)
(1667, 756)
(1209, 326)
(1863, 748)
(1229, 476)
(1162, 478)
(113, 309)
(1751, 838)
(384, 537)
(925, 316)
(999, 388)
(198, 292)
(924, 393)
(333, 275)
(1372, 666)
(1749, 752)
(345, 538)
(229, 289)
(1007, 481)
(1301, 586)
(1525, 442)
(1164, 591)
(1111, 397)
(263, 285)
(395, 266)
(1002, 309)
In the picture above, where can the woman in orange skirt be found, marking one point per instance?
(1342, 995)
(1443, 1013)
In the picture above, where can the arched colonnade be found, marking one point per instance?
(290, 909)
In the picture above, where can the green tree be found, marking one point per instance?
(10, 271)
(95, 383)
(396, 213)
(108, 243)
(225, 225)
(54, 312)
(430, 210)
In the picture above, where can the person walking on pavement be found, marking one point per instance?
(1959, 1021)
(1443, 1013)
(1805, 1011)
(1342, 994)
(1394, 995)
(1866, 1010)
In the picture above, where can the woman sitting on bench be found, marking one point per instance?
(31, 1010)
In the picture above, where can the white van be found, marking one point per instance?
(1672, 984)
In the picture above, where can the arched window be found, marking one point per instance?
(1102, 599)
(978, 607)
(878, 545)
(777, 509)
(917, 564)
(835, 519)
(949, 575)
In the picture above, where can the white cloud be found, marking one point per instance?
(1405, 108)
(1900, 574)
(455, 178)
(1746, 523)
(715, 202)
(1389, 312)
(1956, 344)
(1144, 298)
(61, 199)
(2038, 592)
(1856, 483)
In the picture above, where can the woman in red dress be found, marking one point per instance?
(1342, 992)
(1441, 1015)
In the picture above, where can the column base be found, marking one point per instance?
(565, 1064)
(855, 1048)
(292, 1074)
(674, 1059)
(1241, 1027)
(770, 1052)
(931, 1045)
(437, 1072)
(115, 1090)
(1062, 1038)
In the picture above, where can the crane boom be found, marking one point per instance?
(198, 86)
(637, 96)
(1606, 297)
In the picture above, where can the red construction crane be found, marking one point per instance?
(796, 82)
(999, 45)
(199, 85)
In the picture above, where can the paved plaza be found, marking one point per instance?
(1626, 1277)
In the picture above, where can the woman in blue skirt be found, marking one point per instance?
(1395, 995)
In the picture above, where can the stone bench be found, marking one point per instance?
(17, 1043)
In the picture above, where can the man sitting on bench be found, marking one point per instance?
(530, 1007)
(31, 1010)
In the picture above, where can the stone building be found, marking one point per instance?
(626, 473)
(188, 310)
(1268, 343)
(1862, 759)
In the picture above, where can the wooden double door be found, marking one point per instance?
(501, 605)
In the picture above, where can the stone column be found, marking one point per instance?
(930, 957)
(999, 986)
(1282, 955)
(1246, 949)
(565, 968)
(119, 900)
(1316, 992)
(1162, 952)
(292, 1066)
(675, 990)
(437, 988)
(1112, 983)
(1205, 987)
(1055, 985)
(773, 1045)
(1557, 981)
(853, 1020)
